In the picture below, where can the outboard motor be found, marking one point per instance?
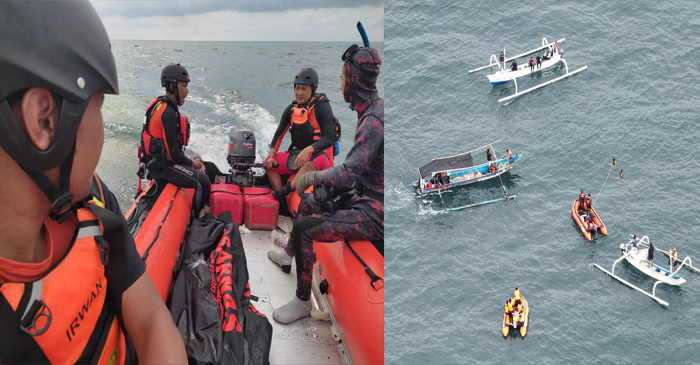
(241, 156)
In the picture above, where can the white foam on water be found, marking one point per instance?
(210, 137)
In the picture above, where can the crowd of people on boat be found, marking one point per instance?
(585, 205)
(514, 310)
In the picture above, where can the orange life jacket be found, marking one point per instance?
(153, 131)
(304, 127)
(66, 316)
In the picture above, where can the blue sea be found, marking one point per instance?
(448, 275)
(234, 84)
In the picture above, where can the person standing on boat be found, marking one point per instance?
(310, 120)
(362, 216)
(502, 62)
(674, 258)
(531, 63)
(539, 62)
(510, 155)
(650, 254)
(635, 241)
(70, 273)
(514, 65)
(488, 154)
(165, 134)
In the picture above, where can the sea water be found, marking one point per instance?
(233, 84)
(449, 275)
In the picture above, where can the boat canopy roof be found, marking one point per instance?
(456, 162)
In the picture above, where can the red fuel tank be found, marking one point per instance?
(227, 197)
(261, 209)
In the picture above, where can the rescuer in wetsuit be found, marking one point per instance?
(362, 218)
(166, 133)
(71, 277)
(310, 122)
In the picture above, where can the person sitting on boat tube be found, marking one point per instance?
(546, 56)
(508, 312)
(514, 65)
(517, 299)
(582, 200)
(589, 202)
(361, 217)
(70, 273)
(311, 124)
(165, 134)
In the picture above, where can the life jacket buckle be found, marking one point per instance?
(29, 320)
(103, 247)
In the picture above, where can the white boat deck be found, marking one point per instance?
(506, 75)
(307, 341)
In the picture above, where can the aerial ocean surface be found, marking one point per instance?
(241, 84)
(449, 275)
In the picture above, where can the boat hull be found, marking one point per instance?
(162, 232)
(580, 221)
(505, 328)
(504, 76)
(638, 259)
(356, 306)
(472, 175)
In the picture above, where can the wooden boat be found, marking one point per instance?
(507, 321)
(460, 170)
(636, 255)
(579, 217)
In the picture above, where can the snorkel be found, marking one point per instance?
(365, 42)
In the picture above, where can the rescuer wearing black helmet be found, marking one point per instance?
(312, 126)
(69, 270)
(165, 134)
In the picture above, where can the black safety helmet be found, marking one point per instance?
(171, 74)
(64, 48)
(307, 76)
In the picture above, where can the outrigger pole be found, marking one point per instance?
(542, 84)
(544, 45)
(652, 296)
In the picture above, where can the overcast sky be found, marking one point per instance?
(242, 20)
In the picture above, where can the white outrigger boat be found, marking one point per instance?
(637, 257)
(505, 75)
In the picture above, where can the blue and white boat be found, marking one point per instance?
(452, 171)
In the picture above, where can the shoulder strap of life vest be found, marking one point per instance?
(18, 346)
